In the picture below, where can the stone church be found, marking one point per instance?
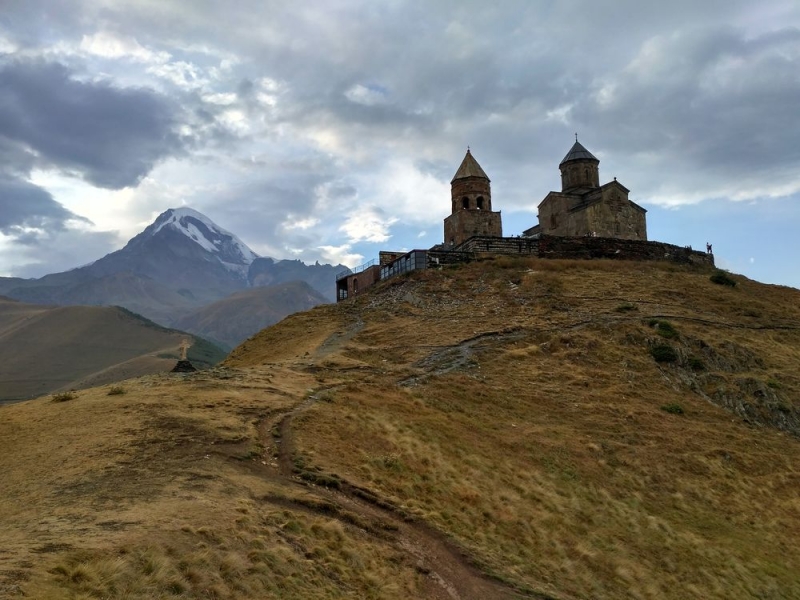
(583, 207)
(584, 220)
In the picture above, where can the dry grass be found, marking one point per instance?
(509, 404)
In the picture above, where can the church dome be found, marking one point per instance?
(578, 152)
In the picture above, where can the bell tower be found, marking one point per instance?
(471, 211)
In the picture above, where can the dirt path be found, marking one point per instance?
(449, 572)
(339, 339)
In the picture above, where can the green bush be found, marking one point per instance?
(673, 409)
(116, 390)
(664, 353)
(722, 278)
(64, 396)
(696, 364)
(664, 329)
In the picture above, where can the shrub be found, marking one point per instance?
(64, 396)
(664, 353)
(673, 409)
(116, 390)
(696, 364)
(626, 308)
(722, 278)
(664, 329)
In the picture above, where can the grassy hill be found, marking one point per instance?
(506, 429)
(232, 320)
(45, 348)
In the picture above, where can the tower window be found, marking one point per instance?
(480, 202)
(465, 202)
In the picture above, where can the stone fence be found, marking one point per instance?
(585, 248)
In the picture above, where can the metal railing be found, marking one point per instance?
(358, 269)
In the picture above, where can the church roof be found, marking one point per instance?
(469, 168)
(578, 152)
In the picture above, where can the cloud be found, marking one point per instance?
(341, 255)
(110, 136)
(338, 125)
(693, 103)
(366, 95)
(27, 211)
(54, 251)
(108, 45)
(368, 224)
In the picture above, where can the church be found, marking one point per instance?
(583, 220)
(583, 207)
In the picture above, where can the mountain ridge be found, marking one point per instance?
(180, 262)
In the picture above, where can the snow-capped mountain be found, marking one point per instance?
(232, 252)
(180, 262)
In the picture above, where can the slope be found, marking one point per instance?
(498, 430)
(43, 349)
(235, 318)
(267, 271)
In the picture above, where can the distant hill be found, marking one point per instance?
(44, 349)
(501, 430)
(180, 262)
(235, 318)
(268, 271)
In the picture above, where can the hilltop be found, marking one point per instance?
(500, 429)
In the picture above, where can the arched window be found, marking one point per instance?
(480, 202)
(465, 202)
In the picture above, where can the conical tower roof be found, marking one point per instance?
(578, 152)
(469, 168)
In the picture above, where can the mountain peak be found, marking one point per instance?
(229, 249)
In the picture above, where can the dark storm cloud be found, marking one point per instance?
(26, 206)
(713, 99)
(110, 136)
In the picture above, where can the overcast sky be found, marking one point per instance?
(327, 130)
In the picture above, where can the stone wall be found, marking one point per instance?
(464, 224)
(556, 218)
(613, 215)
(448, 257)
(585, 248)
(471, 188)
(500, 245)
(580, 174)
(588, 247)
